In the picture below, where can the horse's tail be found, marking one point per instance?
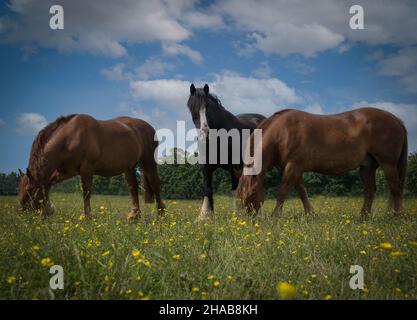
(402, 162)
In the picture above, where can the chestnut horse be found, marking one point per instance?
(297, 142)
(81, 145)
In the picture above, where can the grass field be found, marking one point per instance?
(231, 257)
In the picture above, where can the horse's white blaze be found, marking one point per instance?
(203, 122)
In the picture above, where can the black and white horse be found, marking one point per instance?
(208, 113)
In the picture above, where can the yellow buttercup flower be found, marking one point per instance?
(216, 283)
(286, 290)
(46, 262)
(176, 257)
(386, 245)
(210, 277)
(328, 297)
(135, 253)
(10, 279)
(412, 243)
(195, 289)
(398, 253)
(105, 253)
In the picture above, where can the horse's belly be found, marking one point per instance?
(114, 168)
(336, 162)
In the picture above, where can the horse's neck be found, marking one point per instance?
(44, 172)
(229, 120)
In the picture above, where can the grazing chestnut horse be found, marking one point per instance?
(298, 142)
(81, 145)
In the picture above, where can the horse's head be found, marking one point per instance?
(250, 191)
(200, 103)
(31, 195)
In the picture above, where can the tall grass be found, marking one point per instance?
(230, 257)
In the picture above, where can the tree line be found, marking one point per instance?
(184, 181)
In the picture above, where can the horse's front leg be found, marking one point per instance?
(48, 208)
(133, 186)
(290, 176)
(87, 182)
(308, 208)
(208, 204)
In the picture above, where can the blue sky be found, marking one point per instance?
(138, 58)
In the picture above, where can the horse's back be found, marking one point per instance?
(110, 146)
(251, 120)
(335, 143)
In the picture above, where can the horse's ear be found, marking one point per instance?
(206, 89)
(29, 175)
(21, 173)
(237, 172)
(192, 89)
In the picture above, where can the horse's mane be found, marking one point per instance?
(197, 98)
(216, 100)
(36, 154)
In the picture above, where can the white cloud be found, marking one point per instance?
(402, 64)
(2, 123)
(98, 26)
(152, 67)
(115, 73)
(238, 94)
(307, 39)
(165, 92)
(300, 67)
(309, 27)
(406, 112)
(246, 94)
(30, 123)
(263, 71)
(315, 108)
(196, 19)
(175, 49)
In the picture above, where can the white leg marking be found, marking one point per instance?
(206, 212)
(237, 204)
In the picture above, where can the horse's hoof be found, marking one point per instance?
(205, 216)
(161, 211)
(47, 211)
(133, 217)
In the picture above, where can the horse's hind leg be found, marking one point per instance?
(132, 183)
(291, 175)
(367, 174)
(87, 182)
(308, 208)
(153, 184)
(394, 184)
